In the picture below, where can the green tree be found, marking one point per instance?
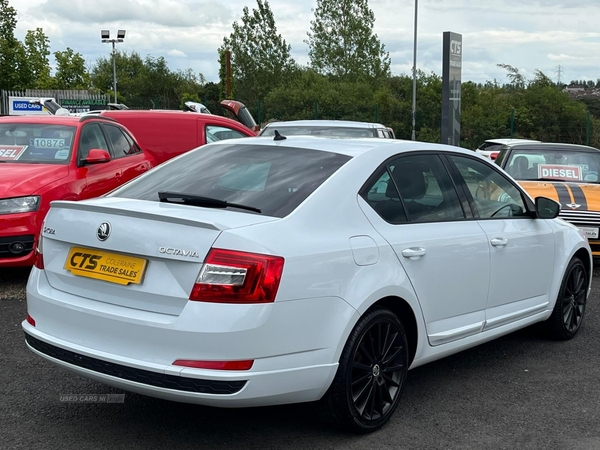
(260, 57)
(130, 77)
(71, 72)
(342, 43)
(145, 83)
(517, 80)
(37, 50)
(12, 55)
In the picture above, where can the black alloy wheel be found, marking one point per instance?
(371, 375)
(568, 313)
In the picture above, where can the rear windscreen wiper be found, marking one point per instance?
(197, 200)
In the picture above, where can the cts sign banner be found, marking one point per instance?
(451, 91)
(21, 106)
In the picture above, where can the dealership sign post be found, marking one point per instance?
(22, 106)
(451, 73)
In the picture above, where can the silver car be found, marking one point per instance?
(328, 128)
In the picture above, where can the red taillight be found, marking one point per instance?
(215, 365)
(38, 256)
(494, 155)
(229, 276)
(30, 320)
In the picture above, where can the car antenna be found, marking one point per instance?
(279, 137)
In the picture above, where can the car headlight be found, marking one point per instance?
(19, 204)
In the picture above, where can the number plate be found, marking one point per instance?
(107, 266)
(590, 233)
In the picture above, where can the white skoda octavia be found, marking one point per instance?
(270, 270)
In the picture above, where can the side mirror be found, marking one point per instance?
(96, 156)
(546, 208)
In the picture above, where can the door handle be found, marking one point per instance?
(414, 252)
(499, 242)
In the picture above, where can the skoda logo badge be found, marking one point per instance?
(103, 231)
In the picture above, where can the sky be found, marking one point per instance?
(560, 38)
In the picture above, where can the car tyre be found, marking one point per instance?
(371, 375)
(569, 310)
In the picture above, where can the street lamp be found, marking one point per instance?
(106, 39)
(414, 92)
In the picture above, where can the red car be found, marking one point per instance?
(166, 134)
(45, 158)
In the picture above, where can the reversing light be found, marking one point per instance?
(30, 320)
(229, 276)
(215, 365)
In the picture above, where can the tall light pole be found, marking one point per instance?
(414, 92)
(106, 39)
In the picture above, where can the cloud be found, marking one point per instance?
(169, 13)
(530, 35)
(177, 53)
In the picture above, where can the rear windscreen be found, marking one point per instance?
(273, 179)
(320, 131)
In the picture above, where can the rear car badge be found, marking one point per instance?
(103, 231)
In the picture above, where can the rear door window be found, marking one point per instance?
(414, 188)
(121, 144)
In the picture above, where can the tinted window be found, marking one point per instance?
(91, 137)
(494, 196)
(273, 179)
(417, 188)
(121, 145)
(383, 197)
(36, 143)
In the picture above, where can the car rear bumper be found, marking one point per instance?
(294, 345)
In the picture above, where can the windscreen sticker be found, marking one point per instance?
(11, 152)
(559, 172)
(62, 154)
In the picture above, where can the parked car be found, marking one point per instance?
(567, 173)
(46, 158)
(196, 107)
(328, 128)
(492, 147)
(165, 134)
(278, 270)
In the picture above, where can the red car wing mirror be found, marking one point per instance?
(97, 156)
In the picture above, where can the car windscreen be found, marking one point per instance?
(321, 131)
(274, 180)
(554, 164)
(35, 143)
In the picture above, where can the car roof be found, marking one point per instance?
(49, 119)
(347, 146)
(326, 123)
(144, 113)
(553, 146)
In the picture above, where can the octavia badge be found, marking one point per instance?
(103, 231)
